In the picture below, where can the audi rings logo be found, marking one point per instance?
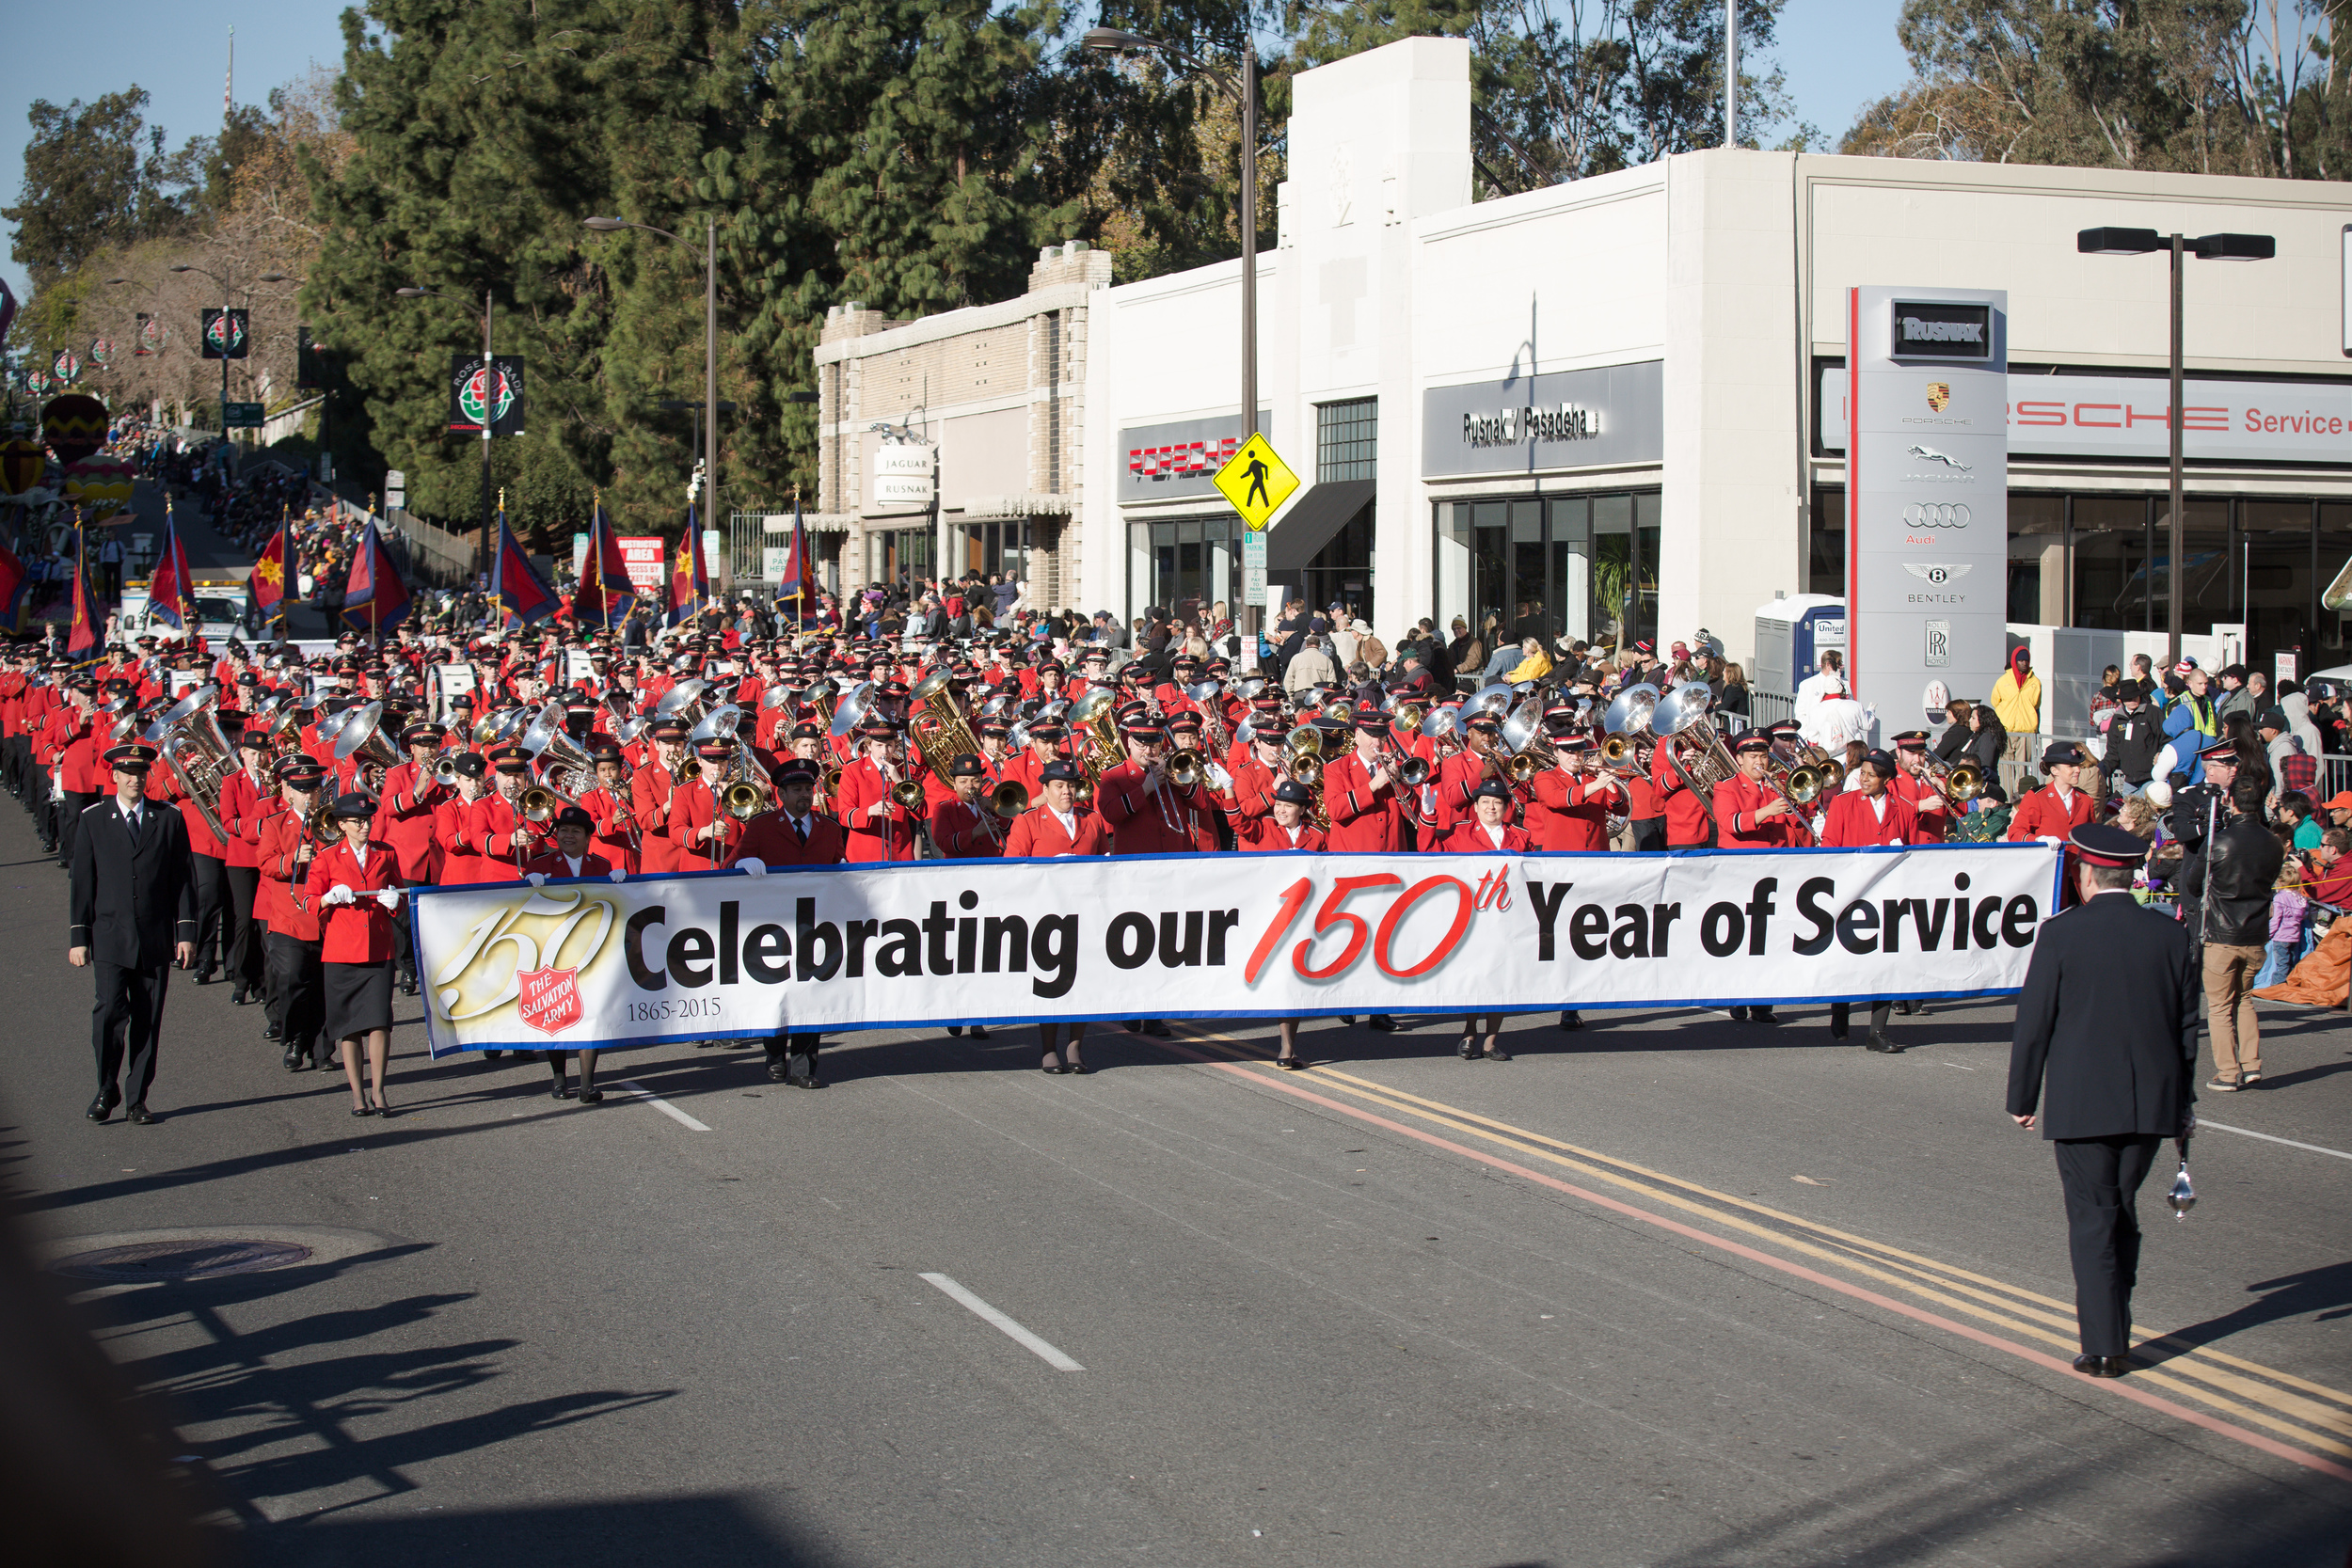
(1935, 515)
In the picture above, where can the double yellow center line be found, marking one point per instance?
(2277, 1412)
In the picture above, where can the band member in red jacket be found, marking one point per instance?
(243, 795)
(1911, 784)
(792, 834)
(607, 805)
(1285, 828)
(1058, 826)
(650, 789)
(880, 828)
(1487, 832)
(1687, 825)
(355, 886)
(1365, 803)
(294, 985)
(2052, 813)
(1573, 799)
(699, 830)
(1146, 814)
(963, 826)
(571, 858)
(496, 829)
(1870, 813)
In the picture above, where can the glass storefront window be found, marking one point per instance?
(1553, 566)
(1186, 566)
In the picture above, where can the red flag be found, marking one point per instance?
(605, 590)
(169, 593)
(515, 583)
(268, 582)
(690, 575)
(373, 595)
(81, 639)
(799, 572)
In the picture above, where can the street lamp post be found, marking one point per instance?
(482, 555)
(1243, 86)
(710, 344)
(227, 291)
(2211, 247)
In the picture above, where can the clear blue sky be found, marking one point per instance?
(1839, 55)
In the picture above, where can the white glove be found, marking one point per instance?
(752, 868)
(536, 879)
(339, 894)
(619, 875)
(2052, 840)
(389, 897)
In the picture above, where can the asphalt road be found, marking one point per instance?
(1672, 1292)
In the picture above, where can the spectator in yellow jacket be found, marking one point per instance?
(1532, 666)
(2017, 695)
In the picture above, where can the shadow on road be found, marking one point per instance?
(740, 1531)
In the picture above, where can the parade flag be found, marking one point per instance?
(373, 595)
(690, 575)
(515, 583)
(14, 581)
(81, 637)
(169, 592)
(268, 582)
(605, 591)
(799, 583)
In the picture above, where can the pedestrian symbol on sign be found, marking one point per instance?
(1256, 482)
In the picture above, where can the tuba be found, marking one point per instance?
(1630, 742)
(1100, 749)
(563, 761)
(687, 702)
(361, 736)
(1694, 748)
(1523, 738)
(941, 732)
(196, 751)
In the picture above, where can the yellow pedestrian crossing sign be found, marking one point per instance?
(1256, 482)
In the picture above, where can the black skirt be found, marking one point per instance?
(358, 999)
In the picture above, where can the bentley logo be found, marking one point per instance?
(1928, 454)
(1939, 396)
(1936, 576)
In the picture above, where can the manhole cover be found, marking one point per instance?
(194, 1259)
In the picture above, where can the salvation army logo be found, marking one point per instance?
(487, 396)
(548, 1000)
(225, 332)
(1939, 396)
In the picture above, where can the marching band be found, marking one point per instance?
(427, 761)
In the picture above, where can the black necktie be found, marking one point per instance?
(799, 828)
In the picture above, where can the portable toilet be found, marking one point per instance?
(1791, 635)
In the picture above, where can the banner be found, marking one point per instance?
(718, 953)
(492, 392)
(225, 336)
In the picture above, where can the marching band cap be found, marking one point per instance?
(1755, 740)
(2105, 844)
(995, 726)
(1066, 771)
(573, 816)
(1147, 732)
(1295, 793)
(717, 748)
(353, 805)
(133, 758)
(966, 766)
(1880, 760)
(1369, 716)
(796, 772)
(423, 734)
(1047, 731)
(2060, 752)
(1186, 721)
(469, 765)
(255, 738)
(1912, 737)
(878, 728)
(511, 759)
(1495, 788)
(808, 730)
(604, 749)
(898, 689)
(671, 729)
(1574, 742)
(303, 772)
(2220, 750)
(1482, 721)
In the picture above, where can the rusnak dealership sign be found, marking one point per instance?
(1927, 541)
(2303, 422)
(1611, 415)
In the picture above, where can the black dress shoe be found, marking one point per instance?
(272, 1032)
(1467, 1051)
(1052, 1069)
(1135, 1026)
(1738, 1014)
(1157, 1029)
(139, 1116)
(561, 1091)
(1381, 1021)
(492, 1055)
(802, 1081)
(592, 1097)
(408, 986)
(1079, 1069)
(238, 998)
(363, 1110)
(978, 1032)
(955, 1031)
(1496, 1053)
(296, 1061)
(1884, 1043)
(775, 1070)
(1289, 1064)
(203, 976)
(98, 1108)
(2102, 1366)
(1761, 1015)
(1571, 1020)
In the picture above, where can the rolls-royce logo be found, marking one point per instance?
(1937, 575)
(1935, 515)
(1928, 454)
(1939, 396)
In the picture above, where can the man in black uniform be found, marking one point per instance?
(2108, 1014)
(134, 914)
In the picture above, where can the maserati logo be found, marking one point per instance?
(548, 999)
(1934, 575)
(1928, 454)
(1939, 396)
(1935, 515)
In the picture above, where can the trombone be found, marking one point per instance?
(1958, 783)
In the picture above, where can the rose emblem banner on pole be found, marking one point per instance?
(932, 943)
